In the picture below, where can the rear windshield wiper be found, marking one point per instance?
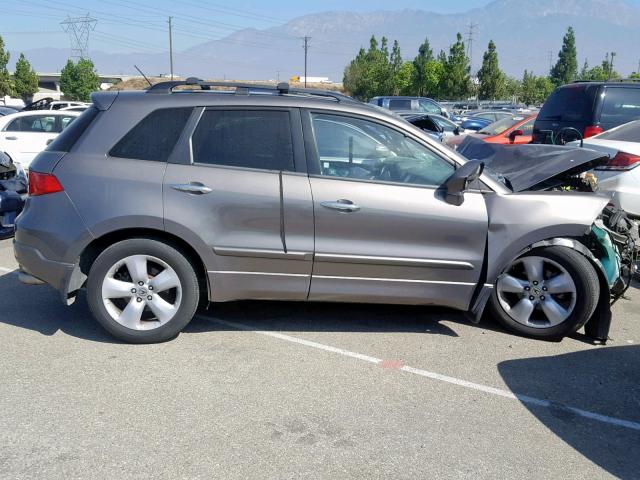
(552, 117)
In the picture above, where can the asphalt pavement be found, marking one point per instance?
(297, 390)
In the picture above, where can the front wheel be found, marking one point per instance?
(142, 290)
(548, 293)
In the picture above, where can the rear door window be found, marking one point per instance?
(244, 138)
(621, 105)
(427, 106)
(33, 124)
(155, 136)
(572, 103)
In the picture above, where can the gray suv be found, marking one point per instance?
(162, 200)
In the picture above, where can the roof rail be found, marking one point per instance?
(613, 80)
(281, 88)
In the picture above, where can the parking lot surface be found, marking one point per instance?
(295, 390)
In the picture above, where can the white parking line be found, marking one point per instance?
(436, 376)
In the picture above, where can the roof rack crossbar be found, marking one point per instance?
(281, 88)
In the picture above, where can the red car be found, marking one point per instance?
(513, 130)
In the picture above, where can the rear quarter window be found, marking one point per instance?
(71, 133)
(155, 136)
(620, 105)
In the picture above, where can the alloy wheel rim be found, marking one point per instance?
(537, 292)
(141, 292)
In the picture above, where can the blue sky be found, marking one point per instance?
(140, 25)
(26, 24)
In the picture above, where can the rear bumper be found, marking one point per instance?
(59, 275)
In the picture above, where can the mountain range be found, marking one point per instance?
(528, 35)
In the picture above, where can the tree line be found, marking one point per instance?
(377, 71)
(77, 79)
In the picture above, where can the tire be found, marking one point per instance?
(165, 284)
(546, 320)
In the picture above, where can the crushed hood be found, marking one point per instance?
(532, 166)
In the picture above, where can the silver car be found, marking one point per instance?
(160, 201)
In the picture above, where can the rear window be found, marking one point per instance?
(400, 104)
(621, 105)
(624, 133)
(573, 103)
(244, 138)
(70, 135)
(155, 136)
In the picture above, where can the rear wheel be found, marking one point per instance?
(548, 293)
(142, 290)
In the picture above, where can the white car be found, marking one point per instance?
(621, 174)
(25, 134)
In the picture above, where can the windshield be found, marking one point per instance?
(629, 132)
(500, 126)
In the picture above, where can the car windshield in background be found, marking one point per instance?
(621, 105)
(573, 103)
(629, 132)
(500, 126)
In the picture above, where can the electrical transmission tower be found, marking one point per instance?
(79, 29)
(470, 34)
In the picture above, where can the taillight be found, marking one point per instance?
(592, 130)
(622, 161)
(43, 183)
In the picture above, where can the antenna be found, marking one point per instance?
(470, 34)
(79, 29)
(145, 77)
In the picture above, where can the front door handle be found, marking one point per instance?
(341, 205)
(193, 187)
(10, 138)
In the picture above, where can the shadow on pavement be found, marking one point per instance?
(39, 308)
(604, 380)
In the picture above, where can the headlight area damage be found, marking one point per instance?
(553, 204)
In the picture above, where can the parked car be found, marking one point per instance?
(25, 134)
(509, 131)
(168, 199)
(431, 123)
(475, 124)
(416, 104)
(13, 192)
(620, 175)
(492, 115)
(49, 103)
(585, 109)
(7, 111)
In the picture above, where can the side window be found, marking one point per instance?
(400, 104)
(430, 107)
(33, 124)
(244, 138)
(154, 137)
(65, 121)
(621, 105)
(426, 124)
(359, 149)
(527, 128)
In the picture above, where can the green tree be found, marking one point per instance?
(370, 73)
(456, 81)
(404, 79)
(6, 84)
(425, 55)
(512, 87)
(25, 79)
(535, 90)
(79, 80)
(566, 68)
(490, 76)
(635, 75)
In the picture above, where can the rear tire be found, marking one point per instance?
(564, 296)
(143, 290)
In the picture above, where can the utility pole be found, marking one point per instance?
(171, 46)
(550, 58)
(613, 54)
(306, 52)
(470, 34)
(277, 76)
(79, 29)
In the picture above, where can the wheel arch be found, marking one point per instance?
(99, 244)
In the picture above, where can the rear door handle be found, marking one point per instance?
(341, 205)
(193, 187)
(10, 138)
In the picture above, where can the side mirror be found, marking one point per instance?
(457, 183)
(514, 134)
(456, 131)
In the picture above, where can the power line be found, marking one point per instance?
(79, 29)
